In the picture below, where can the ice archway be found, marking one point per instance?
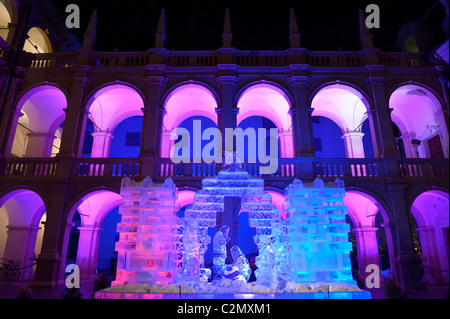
(107, 108)
(269, 101)
(183, 102)
(38, 128)
(347, 107)
(418, 114)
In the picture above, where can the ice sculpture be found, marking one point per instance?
(317, 232)
(232, 180)
(191, 250)
(311, 245)
(240, 268)
(148, 243)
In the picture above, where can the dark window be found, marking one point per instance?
(133, 139)
(318, 144)
(315, 119)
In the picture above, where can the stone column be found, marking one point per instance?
(166, 144)
(410, 150)
(39, 144)
(301, 118)
(20, 247)
(286, 144)
(152, 125)
(405, 265)
(75, 120)
(227, 114)
(8, 120)
(87, 253)
(380, 120)
(354, 146)
(101, 144)
(50, 270)
(430, 255)
(441, 117)
(367, 248)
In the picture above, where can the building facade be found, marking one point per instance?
(395, 168)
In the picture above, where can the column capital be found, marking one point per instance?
(365, 229)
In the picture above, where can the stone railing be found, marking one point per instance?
(354, 168)
(417, 168)
(303, 168)
(213, 58)
(107, 167)
(29, 167)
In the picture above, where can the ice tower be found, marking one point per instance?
(318, 232)
(149, 239)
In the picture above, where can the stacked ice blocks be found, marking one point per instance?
(317, 232)
(148, 243)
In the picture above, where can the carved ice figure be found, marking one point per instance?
(266, 273)
(220, 250)
(191, 246)
(240, 268)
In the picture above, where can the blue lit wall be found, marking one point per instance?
(327, 138)
(328, 142)
(127, 138)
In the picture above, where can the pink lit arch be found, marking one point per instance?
(108, 107)
(183, 102)
(267, 100)
(418, 114)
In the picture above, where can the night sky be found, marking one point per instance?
(257, 25)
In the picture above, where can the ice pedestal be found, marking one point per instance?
(148, 246)
(317, 232)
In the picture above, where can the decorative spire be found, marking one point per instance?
(294, 34)
(160, 35)
(227, 35)
(365, 36)
(90, 36)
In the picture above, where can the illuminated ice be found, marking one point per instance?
(311, 245)
(149, 240)
(220, 241)
(317, 232)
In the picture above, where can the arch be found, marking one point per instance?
(362, 211)
(108, 106)
(5, 20)
(430, 210)
(93, 206)
(270, 101)
(278, 200)
(37, 41)
(342, 102)
(188, 99)
(24, 209)
(185, 197)
(182, 102)
(266, 99)
(113, 102)
(417, 111)
(42, 112)
(347, 106)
